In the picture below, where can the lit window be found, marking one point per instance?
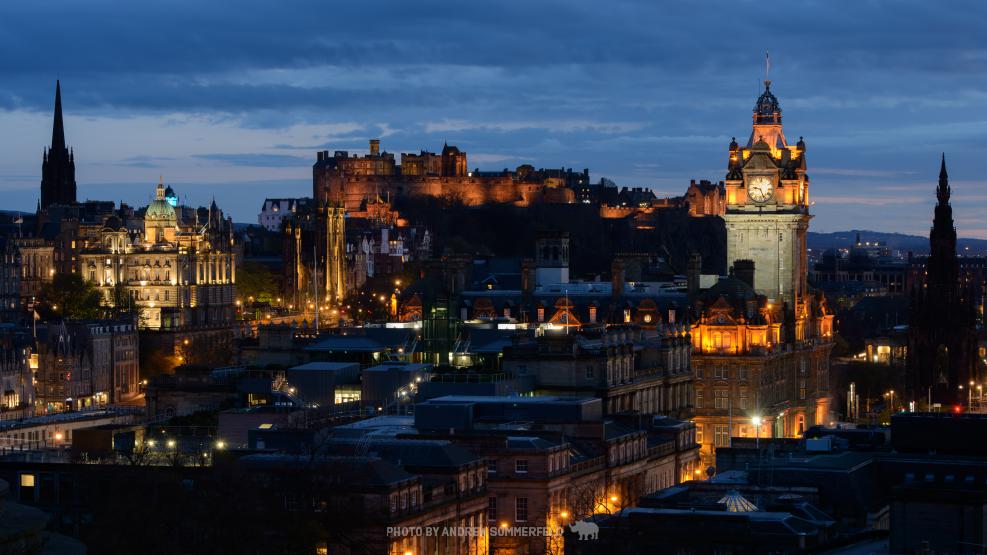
(27, 480)
(721, 436)
(721, 398)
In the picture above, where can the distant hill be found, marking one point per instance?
(915, 243)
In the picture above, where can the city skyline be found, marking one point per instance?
(646, 101)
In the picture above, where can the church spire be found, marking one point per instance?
(58, 164)
(942, 191)
(942, 267)
(58, 128)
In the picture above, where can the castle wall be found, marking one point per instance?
(352, 190)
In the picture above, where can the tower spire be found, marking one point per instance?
(58, 164)
(58, 127)
(942, 191)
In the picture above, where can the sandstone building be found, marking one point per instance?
(761, 341)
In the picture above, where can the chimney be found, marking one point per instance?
(319, 157)
(527, 276)
(375, 147)
(692, 272)
(744, 271)
(617, 277)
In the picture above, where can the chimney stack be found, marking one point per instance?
(617, 277)
(375, 147)
(527, 276)
(744, 271)
(692, 272)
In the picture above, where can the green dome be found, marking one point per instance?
(160, 210)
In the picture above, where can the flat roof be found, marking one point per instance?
(405, 366)
(536, 400)
(325, 366)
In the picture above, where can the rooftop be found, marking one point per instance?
(324, 366)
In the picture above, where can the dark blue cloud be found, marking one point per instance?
(647, 93)
(256, 160)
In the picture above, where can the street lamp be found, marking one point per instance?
(756, 421)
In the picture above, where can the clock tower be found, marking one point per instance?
(767, 213)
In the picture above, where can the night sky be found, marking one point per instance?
(233, 101)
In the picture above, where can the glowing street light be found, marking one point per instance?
(756, 421)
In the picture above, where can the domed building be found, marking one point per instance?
(176, 263)
(160, 220)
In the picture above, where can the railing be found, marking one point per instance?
(662, 449)
(463, 377)
(589, 464)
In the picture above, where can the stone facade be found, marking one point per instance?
(16, 376)
(767, 212)
(647, 371)
(355, 179)
(86, 364)
(761, 342)
(181, 274)
(28, 264)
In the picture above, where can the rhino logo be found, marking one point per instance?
(586, 530)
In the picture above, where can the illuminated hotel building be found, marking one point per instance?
(761, 341)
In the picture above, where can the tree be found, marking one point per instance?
(71, 296)
(256, 280)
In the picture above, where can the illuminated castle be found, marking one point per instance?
(356, 179)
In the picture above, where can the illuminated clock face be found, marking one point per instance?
(759, 188)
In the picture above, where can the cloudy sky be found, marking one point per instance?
(233, 99)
